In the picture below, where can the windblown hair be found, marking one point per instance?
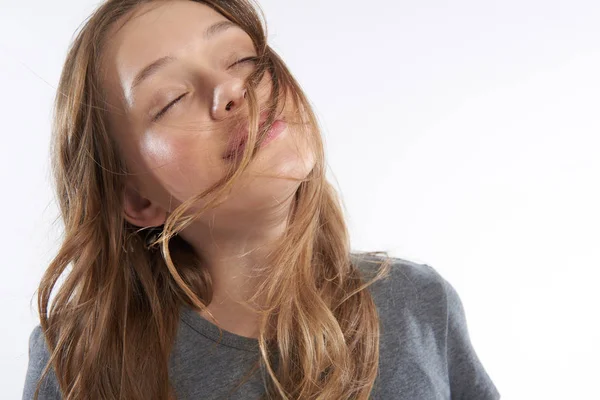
(111, 324)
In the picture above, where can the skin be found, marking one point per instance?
(180, 155)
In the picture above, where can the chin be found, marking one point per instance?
(273, 178)
(289, 154)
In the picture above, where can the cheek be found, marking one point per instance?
(183, 167)
(264, 87)
(156, 150)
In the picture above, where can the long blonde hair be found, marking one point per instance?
(112, 323)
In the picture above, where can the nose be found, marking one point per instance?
(228, 95)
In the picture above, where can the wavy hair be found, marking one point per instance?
(112, 322)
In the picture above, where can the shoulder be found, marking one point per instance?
(38, 358)
(413, 300)
(408, 282)
(38, 350)
(36, 338)
(424, 323)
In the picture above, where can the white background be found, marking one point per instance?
(460, 134)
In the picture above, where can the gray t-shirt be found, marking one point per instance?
(425, 349)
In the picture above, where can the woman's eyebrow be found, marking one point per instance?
(154, 66)
(219, 27)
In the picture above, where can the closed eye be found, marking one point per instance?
(166, 108)
(245, 59)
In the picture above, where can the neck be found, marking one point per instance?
(232, 256)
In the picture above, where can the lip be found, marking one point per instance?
(277, 127)
(239, 141)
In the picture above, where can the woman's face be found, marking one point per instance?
(177, 152)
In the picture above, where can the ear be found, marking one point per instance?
(139, 210)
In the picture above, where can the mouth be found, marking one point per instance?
(238, 142)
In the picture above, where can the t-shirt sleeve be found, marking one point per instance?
(38, 357)
(467, 376)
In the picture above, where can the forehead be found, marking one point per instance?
(152, 30)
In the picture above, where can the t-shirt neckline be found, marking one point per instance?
(206, 328)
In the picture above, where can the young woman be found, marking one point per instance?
(205, 256)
